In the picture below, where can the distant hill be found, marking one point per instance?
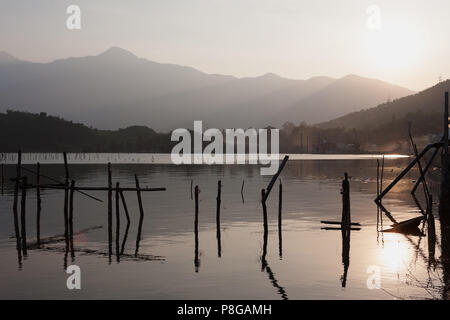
(427, 104)
(116, 89)
(43, 133)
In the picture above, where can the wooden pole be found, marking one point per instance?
(15, 203)
(66, 202)
(141, 215)
(72, 251)
(446, 124)
(38, 206)
(431, 231)
(196, 258)
(263, 202)
(62, 187)
(242, 190)
(3, 179)
(378, 192)
(23, 216)
(280, 237)
(266, 231)
(275, 177)
(125, 208)
(117, 223)
(109, 212)
(346, 219)
(218, 199)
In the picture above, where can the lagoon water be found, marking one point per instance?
(309, 263)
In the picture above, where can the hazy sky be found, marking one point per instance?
(293, 38)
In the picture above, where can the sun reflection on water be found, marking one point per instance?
(395, 254)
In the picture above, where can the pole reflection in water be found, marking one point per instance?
(345, 254)
(196, 255)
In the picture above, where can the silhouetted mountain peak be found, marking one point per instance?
(117, 52)
(5, 58)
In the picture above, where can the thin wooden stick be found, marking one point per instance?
(66, 202)
(266, 231)
(15, 203)
(280, 237)
(62, 187)
(23, 217)
(141, 215)
(242, 191)
(109, 212)
(263, 202)
(346, 219)
(117, 223)
(196, 258)
(72, 251)
(218, 199)
(38, 206)
(275, 177)
(3, 179)
(61, 183)
(125, 208)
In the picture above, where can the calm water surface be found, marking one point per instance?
(309, 263)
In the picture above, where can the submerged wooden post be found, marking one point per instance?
(109, 212)
(15, 203)
(196, 259)
(38, 205)
(218, 235)
(72, 189)
(280, 205)
(346, 219)
(141, 214)
(117, 223)
(23, 216)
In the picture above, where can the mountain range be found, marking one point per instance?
(116, 89)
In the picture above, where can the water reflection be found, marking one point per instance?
(311, 190)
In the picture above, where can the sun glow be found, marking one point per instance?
(395, 48)
(395, 254)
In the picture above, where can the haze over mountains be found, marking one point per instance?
(429, 102)
(116, 89)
